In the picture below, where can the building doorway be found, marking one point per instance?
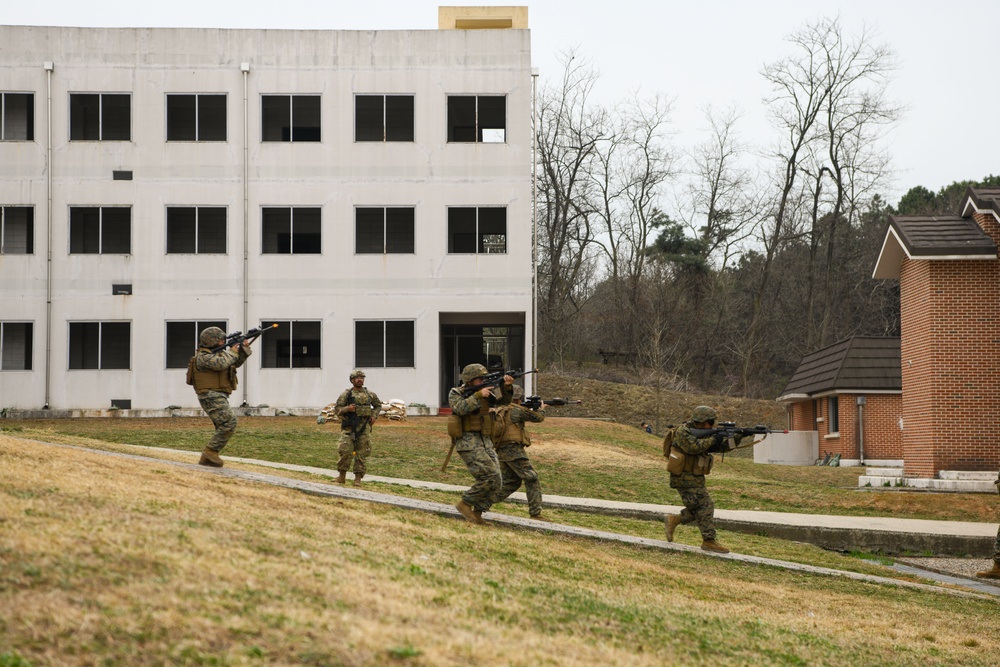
(494, 341)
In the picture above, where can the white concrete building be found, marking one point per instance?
(369, 191)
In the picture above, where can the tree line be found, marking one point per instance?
(717, 268)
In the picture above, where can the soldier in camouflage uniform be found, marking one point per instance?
(213, 375)
(358, 408)
(690, 482)
(995, 572)
(514, 464)
(470, 426)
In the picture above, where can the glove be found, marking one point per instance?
(718, 439)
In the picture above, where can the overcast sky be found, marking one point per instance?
(698, 53)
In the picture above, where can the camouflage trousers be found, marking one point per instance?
(699, 508)
(483, 465)
(513, 473)
(357, 446)
(996, 549)
(216, 404)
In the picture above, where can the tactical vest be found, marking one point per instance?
(505, 430)
(208, 380)
(479, 422)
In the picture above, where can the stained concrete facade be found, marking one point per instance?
(48, 287)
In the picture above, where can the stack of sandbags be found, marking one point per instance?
(328, 414)
(394, 410)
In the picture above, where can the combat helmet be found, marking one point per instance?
(210, 336)
(703, 413)
(357, 373)
(518, 392)
(473, 371)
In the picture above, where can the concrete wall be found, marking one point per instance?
(337, 174)
(796, 448)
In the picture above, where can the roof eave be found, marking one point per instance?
(891, 256)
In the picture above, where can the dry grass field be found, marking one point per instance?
(110, 561)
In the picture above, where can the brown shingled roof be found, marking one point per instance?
(930, 236)
(860, 364)
(984, 199)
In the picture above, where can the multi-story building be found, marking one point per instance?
(368, 191)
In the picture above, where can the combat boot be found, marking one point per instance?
(671, 521)
(341, 477)
(712, 545)
(210, 458)
(466, 510)
(541, 517)
(357, 478)
(990, 574)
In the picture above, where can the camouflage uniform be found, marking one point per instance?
(698, 505)
(476, 450)
(215, 402)
(514, 464)
(355, 440)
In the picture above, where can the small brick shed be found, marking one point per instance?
(949, 283)
(850, 393)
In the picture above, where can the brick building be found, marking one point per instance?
(900, 398)
(850, 394)
(950, 326)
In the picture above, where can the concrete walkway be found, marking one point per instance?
(839, 533)
(978, 589)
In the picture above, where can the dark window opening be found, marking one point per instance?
(474, 230)
(99, 345)
(290, 118)
(384, 344)
(196, 117)
(182, 340)
(294, 231)
(294, 344)
(197, 230)
(15, 346)
(384, 230)
(100, 117)
(833, 407)
(106, 230)
(383, 118)
(477, 118)
(17, 117)
(17, 230)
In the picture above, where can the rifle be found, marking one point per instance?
(494, 379)
(728, 432)
(238, 337)
(535, 402)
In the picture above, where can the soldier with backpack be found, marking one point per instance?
(511, 438)
(471, 428)
(688, 461)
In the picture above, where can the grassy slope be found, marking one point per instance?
(109, 561)
(575, 457)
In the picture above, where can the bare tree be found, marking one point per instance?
(632, 164)
(569, 130)
(828, 103)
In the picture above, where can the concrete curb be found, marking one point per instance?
(838, 533)
(352, 493)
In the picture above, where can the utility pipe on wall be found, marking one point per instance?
(245, 68)
(48, 227)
